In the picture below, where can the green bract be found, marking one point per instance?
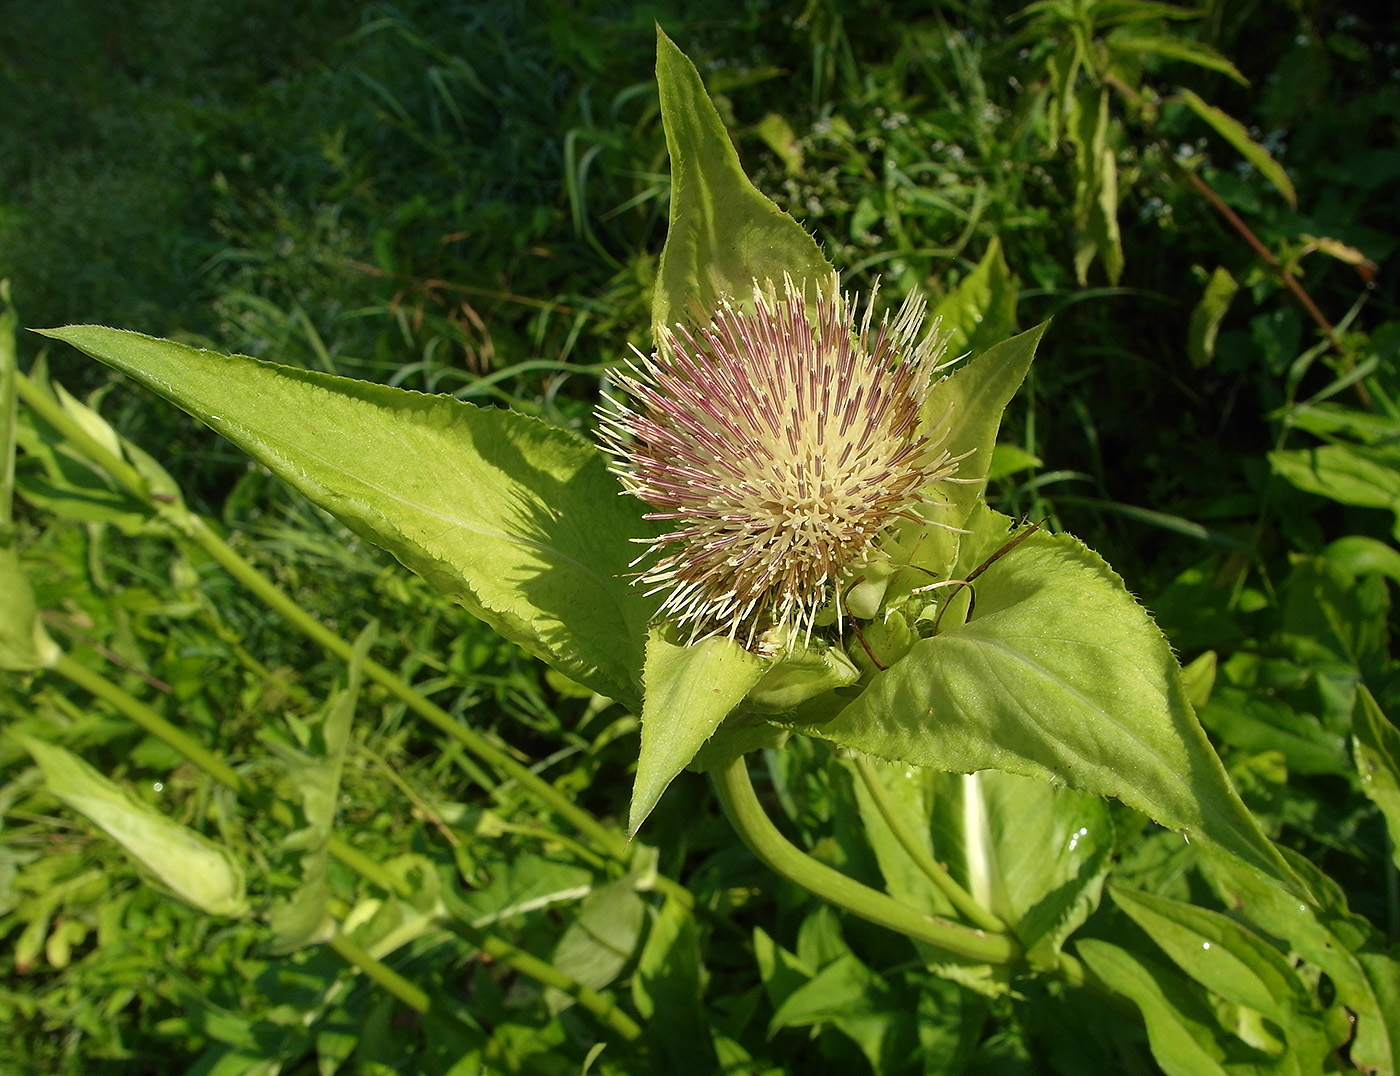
(1045, 666)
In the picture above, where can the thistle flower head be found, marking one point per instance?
(779, 443)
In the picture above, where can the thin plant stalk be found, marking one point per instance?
(936, 873)
(746, 814)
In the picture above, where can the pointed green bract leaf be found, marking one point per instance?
(1234, 132)
(1180, 1028)
(964, 410)
(195, 869)
(518, 521)
(1061, 675)
(1376, 744)
(689, 691)
(723, 233)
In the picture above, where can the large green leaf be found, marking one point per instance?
(517, 520)
(724, 234)
(1058, 674)
(689, 691)
(193, 867)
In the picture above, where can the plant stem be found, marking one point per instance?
(963, 944)
(597, 1004)
(410, 994)
(936, 872)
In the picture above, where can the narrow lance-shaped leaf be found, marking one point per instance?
(723, 234)
(1233, 131)
(1058, 674)
(516, 520)
(195, 869)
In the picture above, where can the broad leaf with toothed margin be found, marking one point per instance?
(1057, 674)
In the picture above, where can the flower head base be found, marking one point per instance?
(783, 442)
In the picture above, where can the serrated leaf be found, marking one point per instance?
(1233, 131)
(194, 868)
(1058, 674)
(516, 520)
(1207, 316)
(723, 234)
(690, 690)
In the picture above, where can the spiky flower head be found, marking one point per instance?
(780, 443)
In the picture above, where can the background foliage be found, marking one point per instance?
(469, 197)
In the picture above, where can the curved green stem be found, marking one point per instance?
(935, 872)
(962, 943)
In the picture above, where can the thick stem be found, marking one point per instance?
(961, 943)
(935, 872)
(386, 977)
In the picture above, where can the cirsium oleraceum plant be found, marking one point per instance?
(778, 443)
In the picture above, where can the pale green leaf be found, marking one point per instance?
(1234, 132)
(1232, 962)
(601, 939)
(724, 234)
(302, 918)
(1010, 459)
(516, 520)
(1325, 934)
(690, 690)
(1376, 745)
(191, 866)
(1207, 316)
(1058, 674)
